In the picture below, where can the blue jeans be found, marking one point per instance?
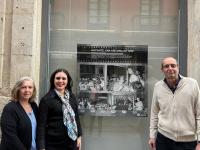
(164, 143)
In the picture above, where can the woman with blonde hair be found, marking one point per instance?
(18, 120)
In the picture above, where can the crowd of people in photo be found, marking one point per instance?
(132, 81)
(128, 82)
(119, 103)
(95, 83)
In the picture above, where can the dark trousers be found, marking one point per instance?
(60, 143)
(164, 143)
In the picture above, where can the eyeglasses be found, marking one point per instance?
(170, 65)
(58, 78)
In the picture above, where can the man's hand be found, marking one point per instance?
(152, 143)
(198, 146)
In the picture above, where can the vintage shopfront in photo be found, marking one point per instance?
(112, 80)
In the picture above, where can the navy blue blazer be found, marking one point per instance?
(16, 127)
(51, 131)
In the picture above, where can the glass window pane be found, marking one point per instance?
(93, 13)
(103, 13)
(93, 6)
(145, 21)
(92, 1)
(103, 19)
(103, 5)
(145, 2)
(105, 22)
(145, 8)
(155, 12)
(93, 20)
(155, 21)
(145, 13)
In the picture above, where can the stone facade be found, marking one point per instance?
(193, 39)
(20, 26)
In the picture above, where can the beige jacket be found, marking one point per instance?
(176, 116)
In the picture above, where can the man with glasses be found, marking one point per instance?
(175, 111)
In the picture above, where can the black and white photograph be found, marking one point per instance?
(112, 80)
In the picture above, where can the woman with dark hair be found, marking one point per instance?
(58, 120)
(18, 120)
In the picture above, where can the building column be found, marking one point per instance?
(20, 40)
(194, 39)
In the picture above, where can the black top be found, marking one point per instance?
(16, 127)
(51, 131)
(173, 89)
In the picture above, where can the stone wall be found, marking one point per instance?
(20, 28)
(194, 39)
(20, 38)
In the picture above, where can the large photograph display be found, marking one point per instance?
(112, 80)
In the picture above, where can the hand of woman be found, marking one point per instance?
(79, 143)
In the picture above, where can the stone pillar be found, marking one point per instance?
(24, 53)
(20, 40)
(5, 49)
(194, 39)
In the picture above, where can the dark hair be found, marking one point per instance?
(69, 84)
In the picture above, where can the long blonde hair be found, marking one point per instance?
(18, 85)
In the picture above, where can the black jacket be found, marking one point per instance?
(16, 127)
(51, 131)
